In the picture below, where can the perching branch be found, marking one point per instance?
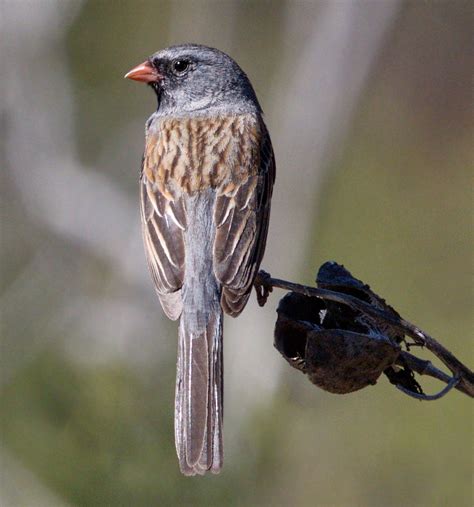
(338, 289)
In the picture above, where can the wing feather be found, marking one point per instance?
(241, 218)
(163, 224)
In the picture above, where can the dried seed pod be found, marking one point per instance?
(342, 361)
(337, 351)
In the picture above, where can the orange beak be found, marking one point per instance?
(145, 72)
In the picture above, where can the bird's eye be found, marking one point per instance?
(180, 67)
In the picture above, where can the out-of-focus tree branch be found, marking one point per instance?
(317, 91)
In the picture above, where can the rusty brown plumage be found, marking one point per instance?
(195, 153)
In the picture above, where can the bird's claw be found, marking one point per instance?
(263, 287)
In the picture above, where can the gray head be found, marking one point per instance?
(194, 79)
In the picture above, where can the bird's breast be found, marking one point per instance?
(192, 154)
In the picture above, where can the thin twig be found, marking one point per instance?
(264, 284)
(430, 397)
(422, 366)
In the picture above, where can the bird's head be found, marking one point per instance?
(193, 79)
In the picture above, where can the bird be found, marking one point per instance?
(206, 183)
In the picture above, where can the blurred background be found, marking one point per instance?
(369, 104)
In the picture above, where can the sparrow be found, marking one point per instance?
(205, 189)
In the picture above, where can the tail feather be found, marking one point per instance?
(198, 402)
(216, 388)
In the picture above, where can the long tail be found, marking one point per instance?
(199, 385)
(199, 400)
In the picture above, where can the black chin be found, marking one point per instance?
(158, 92)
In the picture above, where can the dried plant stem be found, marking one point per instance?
(462, 377)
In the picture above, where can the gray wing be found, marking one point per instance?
(163, 225)
(241, 219)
